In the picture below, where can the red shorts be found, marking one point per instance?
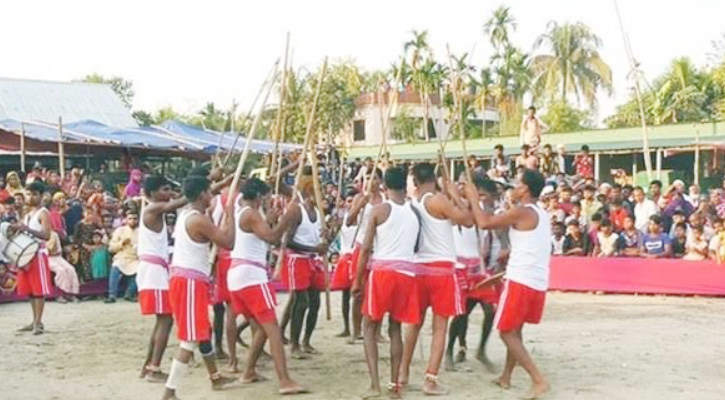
(441, 291)
(302, 273)
(255, 302)
(489, 294)
(344, 273)
(34, 280)
(154, 302)
(221, 290)
(391, 292)
(190, 305)
(519, 304)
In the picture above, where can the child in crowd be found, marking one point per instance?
(656, 244)
(697, 248)
(617, 213)
(557, 239)
(630, 240)
(678, 218)
(679, 240)
(606, 240)
(575, 244)
(99, 256)
(576, 215)
(593, 232)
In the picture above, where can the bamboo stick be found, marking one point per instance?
(22, 146)
(278, 133)
(61, 149)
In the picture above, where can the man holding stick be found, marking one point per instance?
(436, 280)
(527, 273)
(392, 230)
(247, 280)
(304, 273)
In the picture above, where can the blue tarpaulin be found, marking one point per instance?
(171, 135)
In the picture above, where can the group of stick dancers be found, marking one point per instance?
(400, 256)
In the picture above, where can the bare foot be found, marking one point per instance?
(486, 362)
(291, 388)
(373, 393)
(297, 354)
(343, 334)
(156, 377)
(309, 349)
(395, 391)
(285, 341)
(233, 366)
(221, 356)
(537, 390)
(381, 339)
(170, 396)
(502, 382)
(431, 387)
(449, 364)
(223, 383)
(252, 377)
(461, 355)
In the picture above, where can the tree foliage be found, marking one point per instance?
(122, 87)
(562, 117)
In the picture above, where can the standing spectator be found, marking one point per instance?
(98, 256)
(644, 208)
(82, 235)
(575, 244)
(589, 204)
(549, 166)
(500, 162)
(562, 161)
(593, 229)
(531, 129)
(630, 240)
(557, 239)
(363, 171)
(617, 214)
(53, 182)
(584, 164)
(13, 184)
(655, 243)
(606, 240)
(655, 191)
(36, 174)
(679, 240)
(522, 158)
(565, 203)
(133, 187)
(125, 259)
(697, 247)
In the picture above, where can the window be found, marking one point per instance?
(358, 131)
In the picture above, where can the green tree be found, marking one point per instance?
(512, 81)
(336, 107)
(482, 88)
(122, 87)
(572, 65)
(681, 94)
(165, 114)
(561, 117)
(405, 126)
(499, 26)
(143, 118)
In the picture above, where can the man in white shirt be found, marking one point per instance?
(643, 209)
(531, 129)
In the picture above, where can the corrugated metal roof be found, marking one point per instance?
(602, 140)
(30, 100)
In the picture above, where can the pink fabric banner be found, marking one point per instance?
(637, 275)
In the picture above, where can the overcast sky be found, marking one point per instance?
(186, 52)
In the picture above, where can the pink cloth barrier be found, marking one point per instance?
(637, 275)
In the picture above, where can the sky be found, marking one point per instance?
(184, 53)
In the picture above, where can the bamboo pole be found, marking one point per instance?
(22, 146)
(697, 154)
(61, 149)
(279, 132)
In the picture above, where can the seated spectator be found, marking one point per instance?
(593, 229)
(575, 243)
(630, 240)
(697, 248)
(576, 215)
(714, 244)
(679, 240)
(565, 203)
(123, 244)
(617, 213)
(552, 206)
(655, 243)
(589, 204)
(548, 163)
(678, 218)
(606, 240)
(99, 255)
(557, 239)
(65, 276)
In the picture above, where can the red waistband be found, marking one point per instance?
(428, 269)
(154, 259)
(180, 272)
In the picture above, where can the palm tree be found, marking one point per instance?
(421, 78)
(513, 80)
(499, 26)
(573, 65)
(682, 94)
(420, 48)
(483, 84)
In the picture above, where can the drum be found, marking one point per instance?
(21, 249)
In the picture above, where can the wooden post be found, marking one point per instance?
(697, 155)
(596, 167)
(634, 165)
(22, 146)
(61, 150)
(659, 163)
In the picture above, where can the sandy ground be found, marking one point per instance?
(590, 347)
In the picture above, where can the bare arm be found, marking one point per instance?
(153, 212)
(367, 245)
(456, 210)
(256, 224)
(201, 227)
(357, 206)
(44, 232)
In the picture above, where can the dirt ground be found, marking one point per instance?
(590, 347)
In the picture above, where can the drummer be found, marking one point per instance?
(34, 280)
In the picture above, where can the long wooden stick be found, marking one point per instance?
(278, 130)
(240, 165)
(22, 146)
(267, 80)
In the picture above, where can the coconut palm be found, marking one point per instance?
(421, 78)
(682, 93)
(418, 47)
(573, 64)
(513, 80)
(483, 92)
(499, 26)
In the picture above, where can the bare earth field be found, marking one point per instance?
(591, 347)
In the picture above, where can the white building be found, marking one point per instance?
(366, 128)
